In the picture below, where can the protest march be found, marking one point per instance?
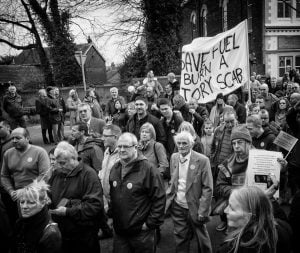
(216, 144)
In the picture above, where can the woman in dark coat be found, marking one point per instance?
(120, 116)
(35, 232)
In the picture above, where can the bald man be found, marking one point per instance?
(13, 106)
(23, 163)
(269, 97)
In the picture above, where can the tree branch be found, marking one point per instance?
(15, 23)
(18, 46)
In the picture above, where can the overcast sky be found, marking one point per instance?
(108, 47)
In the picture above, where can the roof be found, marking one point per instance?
(31, 57)
(19, 74)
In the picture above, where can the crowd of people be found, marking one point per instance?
(128, 165)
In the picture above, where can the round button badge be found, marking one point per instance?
(115, 183)
(29, 159)
(129, 186)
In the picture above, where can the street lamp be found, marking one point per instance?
(81, 60)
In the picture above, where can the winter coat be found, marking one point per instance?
(171, 129)
(137, 198)
(265, 141)
(134, 125)
(54, 114)
(92, 153)
(241, 112)
(13, 106)
(82, 190)
(37, 234)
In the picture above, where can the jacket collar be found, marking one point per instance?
(191, 173)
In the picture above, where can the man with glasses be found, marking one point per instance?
(189, 195)
(141, 117)
(221, 147)
(95, 126)
(137, 199)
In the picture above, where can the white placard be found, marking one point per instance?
(262, 163)
(213, 65)
(285, 140)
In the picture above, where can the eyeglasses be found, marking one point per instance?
(125, 146)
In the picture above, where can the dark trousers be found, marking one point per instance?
(144, 242)
(86, 242)
(185, 228)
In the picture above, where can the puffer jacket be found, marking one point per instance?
(137, 198)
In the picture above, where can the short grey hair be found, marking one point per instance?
(131, 136)
(85, 104)
(186, 135)
(66, 150)
(113, 88)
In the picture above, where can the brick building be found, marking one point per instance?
(95, 69)
(273, 26)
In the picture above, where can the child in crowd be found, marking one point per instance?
(207, 137)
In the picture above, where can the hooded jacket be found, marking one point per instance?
(92, 153)
(82, 190)
(137, 198)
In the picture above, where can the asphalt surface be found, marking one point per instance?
(167, 244)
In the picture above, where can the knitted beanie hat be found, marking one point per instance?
(241, 132)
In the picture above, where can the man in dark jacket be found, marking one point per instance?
(261, 138)
(141, 117)
(88, 148)
(239, 108)
(171, 122)
(197, 115)
(42, 109)
(137, 199)
(13, 106)
(77, 201)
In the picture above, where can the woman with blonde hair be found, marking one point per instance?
(254, 228)
(35, 232)
(188, 127)
(152, 150)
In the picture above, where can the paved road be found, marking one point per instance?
(166, 244)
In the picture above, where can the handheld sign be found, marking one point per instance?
(262, 164)
(213, 65)
(286, 141)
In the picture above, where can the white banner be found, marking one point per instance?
(212, 65)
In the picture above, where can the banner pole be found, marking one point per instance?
(248, 67)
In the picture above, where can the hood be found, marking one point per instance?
(73, 173)
(90, 142)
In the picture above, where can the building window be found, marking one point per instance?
(224, 15)
(297, 62)
(298, 8)
(284, 62)
(193, 20)
(283, 9)
(203, 16)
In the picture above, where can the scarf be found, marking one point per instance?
(29, 231)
